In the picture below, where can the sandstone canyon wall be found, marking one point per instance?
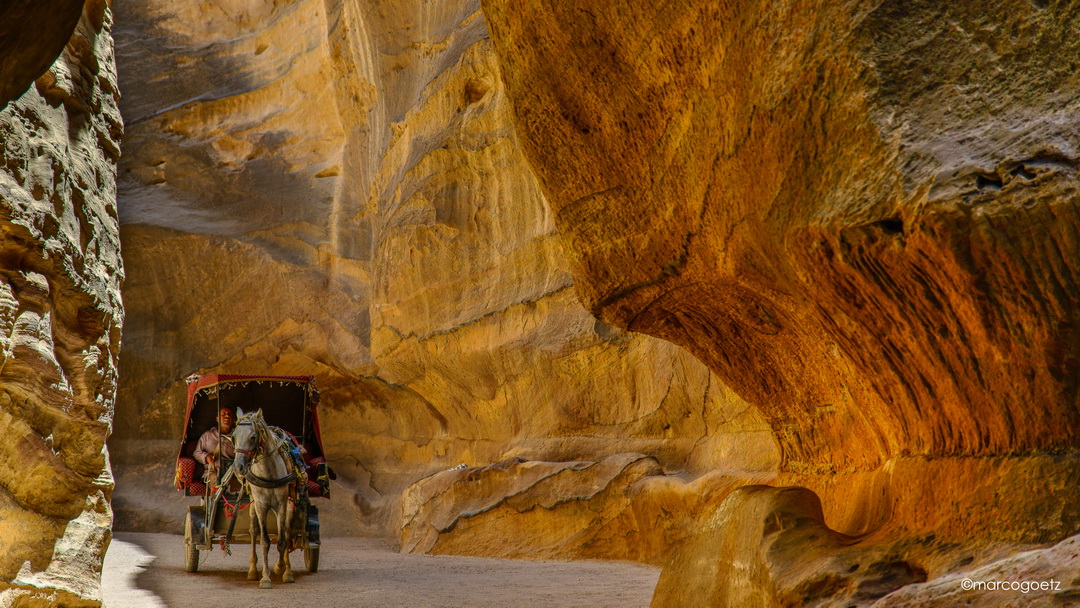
(336, 188)
(883, 269)
(60, 308)
(863, 217)
(859, 217)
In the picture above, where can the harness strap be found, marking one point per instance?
(232, 517)
(282, 438)
(257, 481)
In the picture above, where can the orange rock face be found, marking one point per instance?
(770, 546)
(777, 534)
(863, 217)
(882, 270)
(868, 237)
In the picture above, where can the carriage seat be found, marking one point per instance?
(189, 474)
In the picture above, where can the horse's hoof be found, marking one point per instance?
(288, 579)
(277, 569)
(265, 585)
(253, 576)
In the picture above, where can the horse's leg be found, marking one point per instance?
(282, 567)
(279, 565)
(253, 569)
(264, 538)
(286, 538)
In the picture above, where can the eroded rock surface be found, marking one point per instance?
(766, 546)
(1030, 579)
(769, 546)
(60, 318)
(622, 507)
(337, 189)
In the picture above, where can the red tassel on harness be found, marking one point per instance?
(230, 508)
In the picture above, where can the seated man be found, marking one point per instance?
(207, 450)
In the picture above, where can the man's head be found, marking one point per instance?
(226, 420)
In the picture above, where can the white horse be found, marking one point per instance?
(263, 463)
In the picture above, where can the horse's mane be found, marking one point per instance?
(263, 429)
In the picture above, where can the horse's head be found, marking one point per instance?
(246, 440)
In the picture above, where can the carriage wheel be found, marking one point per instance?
(191, 552)
(311, 559)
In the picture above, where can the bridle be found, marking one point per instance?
(258, 437)
(261, 431)
(259, 452)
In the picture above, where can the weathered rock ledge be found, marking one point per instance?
(622, 507)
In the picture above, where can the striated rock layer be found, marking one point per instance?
(60, 316)
(870, 235)
(622, 507)
(337, 189)
(862, 216)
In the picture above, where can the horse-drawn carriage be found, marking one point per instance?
(282, 417)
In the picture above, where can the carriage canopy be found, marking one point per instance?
(289, 402)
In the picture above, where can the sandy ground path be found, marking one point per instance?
(364, 572)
